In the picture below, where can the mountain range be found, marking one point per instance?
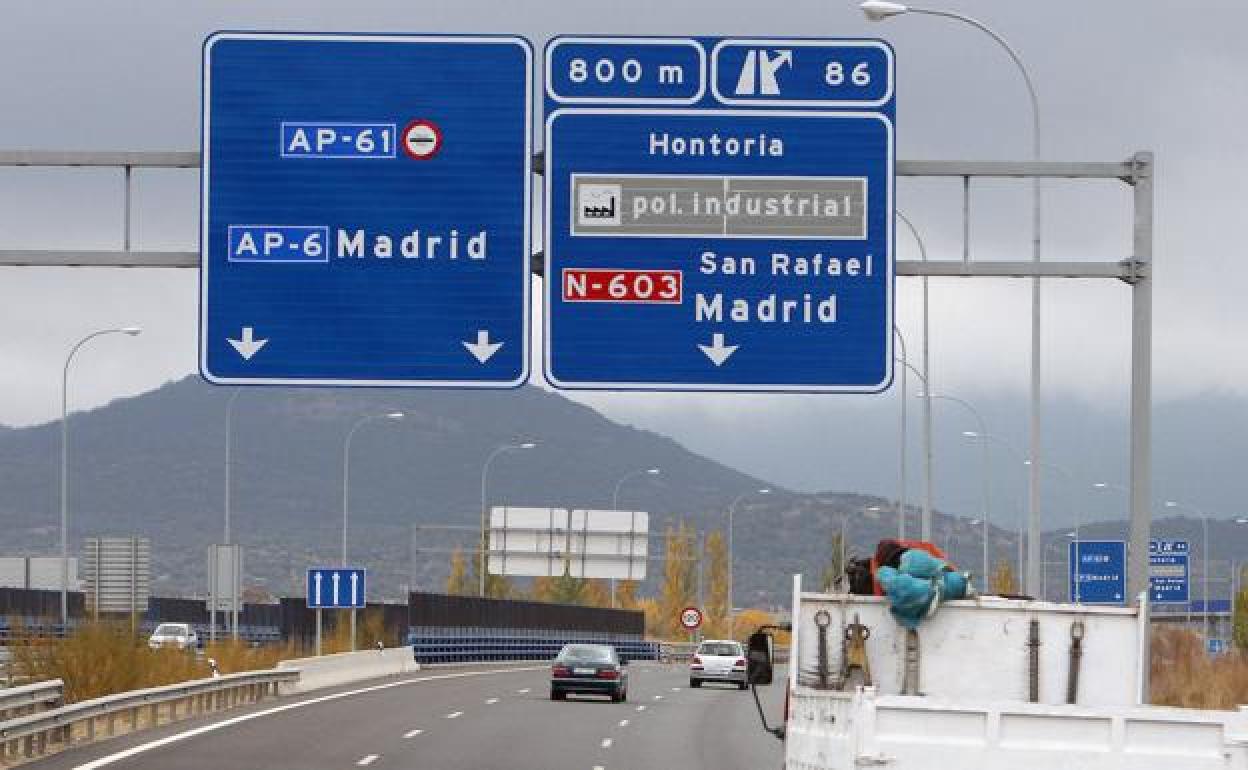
(153, 465)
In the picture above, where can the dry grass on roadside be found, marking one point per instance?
(1183, 675)
(104, 657)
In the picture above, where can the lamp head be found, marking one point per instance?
(132, 331)
(879, 10)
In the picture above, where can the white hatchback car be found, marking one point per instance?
(176, 635)
(718, 660)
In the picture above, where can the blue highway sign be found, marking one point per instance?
(337, 587)
(1098, 571)
(1168, 571)
(366, 210)
(1215, 646)
(719, 214)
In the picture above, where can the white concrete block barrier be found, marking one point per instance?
(345, 667)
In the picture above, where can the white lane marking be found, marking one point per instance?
(412, 733)
(491, 701)
(658, 697)
(675, 689)
(599, 767)
(524, 691)
(178, 737)
(623, 723)
(455, 715)
(606, 743)
(641, 708)
(366, 761)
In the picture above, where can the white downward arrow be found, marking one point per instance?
(717, 351)
(248, 346)
(483, 349)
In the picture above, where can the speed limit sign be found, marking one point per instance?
(691, 618)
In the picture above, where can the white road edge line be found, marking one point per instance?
(606, 743)
(366, 761)
(412, 733)
(455, 715)
(177, 737)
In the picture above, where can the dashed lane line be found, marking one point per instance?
(641, 708)
(491, 701)
(455, 715)
(110, 759)
(606, 743)
(366, 761)
(623, 723)
(412, 733)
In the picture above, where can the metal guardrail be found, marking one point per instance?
(34, 734)
(24, 700)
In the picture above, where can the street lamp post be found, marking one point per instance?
(1021, 523)
(346, 488)
(879, 10)
(732, 617)
(901, 470)
(229, 439)
(485, 469)
(983, 442)
(925, 524)
(1204, 554)
(924, 528)
(1075, 484)
(615, 506)
(129, 331)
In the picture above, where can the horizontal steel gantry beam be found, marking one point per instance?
(1056, 169)
(1125, 270)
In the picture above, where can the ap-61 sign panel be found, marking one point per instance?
(366, 207)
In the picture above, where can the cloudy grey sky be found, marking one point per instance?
(1113, 77)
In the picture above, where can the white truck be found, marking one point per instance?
(991, 683)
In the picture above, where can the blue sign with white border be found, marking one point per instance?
(1168, 571)
(366, 209)
(337, 587)
(1098, 571)
(719, 214)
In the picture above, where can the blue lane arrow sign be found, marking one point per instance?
(337, 587)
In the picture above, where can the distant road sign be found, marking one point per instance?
(337, 587)
(1169, 571)
(366, 210)
(691, 618)
(548, 542)
(1215, 646)
(719, 214)
(1098, 571)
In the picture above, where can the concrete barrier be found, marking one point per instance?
(346, 667)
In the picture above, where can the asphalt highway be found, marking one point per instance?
(464, 718)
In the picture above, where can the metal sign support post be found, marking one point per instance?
(318, 632)
(1135, 270)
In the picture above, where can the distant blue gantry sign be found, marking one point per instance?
(1168, 571)
(366, 210)
(337, 587)
(719, 214)
(1098, 570)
